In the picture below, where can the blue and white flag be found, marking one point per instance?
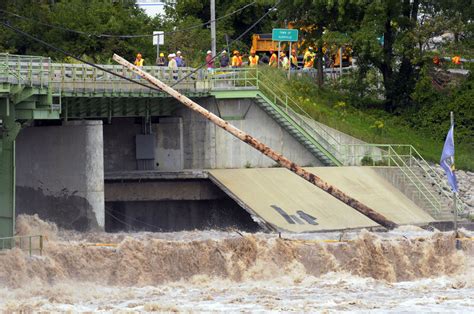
(447, 159)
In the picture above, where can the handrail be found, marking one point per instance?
(333, 147)
(8, 243)
(439, 181)
(418, 160)
(438, 204)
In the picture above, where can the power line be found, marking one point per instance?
(125, 36)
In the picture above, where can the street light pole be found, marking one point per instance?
(213, 27)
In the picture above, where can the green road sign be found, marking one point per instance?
(281, 34)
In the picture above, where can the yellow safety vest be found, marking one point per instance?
(253, 61)
(273, 61)
(308, 60)
(139, 63)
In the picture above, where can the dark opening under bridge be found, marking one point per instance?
(34, 88)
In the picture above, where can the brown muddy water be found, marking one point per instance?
(405, 270)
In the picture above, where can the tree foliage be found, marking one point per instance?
(92, 17)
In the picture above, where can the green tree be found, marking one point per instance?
(322, 17)
(92, 17)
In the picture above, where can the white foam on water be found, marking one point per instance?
(405, 270)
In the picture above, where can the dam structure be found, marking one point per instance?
(89, 150)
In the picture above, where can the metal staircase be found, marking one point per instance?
(299, 133)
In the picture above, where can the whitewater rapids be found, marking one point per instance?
(408, 269)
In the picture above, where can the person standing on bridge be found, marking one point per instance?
(273, 59)
(294, 59)
(139, 62)
(308, 59)
(285, 63)
(179, 59)
(253, 59)
(209, 61)
(224, 59)
(160, 61)
(172, 65)
(236, 60)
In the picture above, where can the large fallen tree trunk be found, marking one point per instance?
(267, 151)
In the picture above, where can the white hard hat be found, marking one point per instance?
(172, 55)
(223, 51)
(208, 52)
(178, 52)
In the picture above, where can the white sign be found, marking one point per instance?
(158, 36)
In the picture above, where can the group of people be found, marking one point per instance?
(253, 60)
(176, 60)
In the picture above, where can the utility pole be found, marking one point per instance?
(261, 147)
(213, 27)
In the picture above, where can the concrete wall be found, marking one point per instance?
(189, 141)
(60, 174)
(177, 190)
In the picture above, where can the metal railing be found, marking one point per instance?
(296, 112)
(82, 77)
(25, 70)
(31, 244)
(409, 161)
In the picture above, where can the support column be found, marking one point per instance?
(8, 132)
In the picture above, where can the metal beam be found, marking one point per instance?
(7, 169)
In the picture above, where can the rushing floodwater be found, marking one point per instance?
(405, 270)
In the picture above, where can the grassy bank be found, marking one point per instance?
(331, 107)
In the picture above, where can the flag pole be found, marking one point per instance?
(455, 211)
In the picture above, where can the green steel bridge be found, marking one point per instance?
(34, 88)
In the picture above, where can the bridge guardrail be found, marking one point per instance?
(25, 70)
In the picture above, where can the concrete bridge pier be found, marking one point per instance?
(60, 174)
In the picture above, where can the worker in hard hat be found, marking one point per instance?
(139, 60)
(456, 59)
(253, 59)
(224, 59)
(308, 59)
(209, 60)
(179, 59)
(294, 59)
(285, 62)
(273, 59)
(236, 60)
(160, 61)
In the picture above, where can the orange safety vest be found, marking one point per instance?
(273, 60)
(236, 61)
(253, 61)
(456, 60)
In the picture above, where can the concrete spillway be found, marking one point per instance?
(282, 201)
